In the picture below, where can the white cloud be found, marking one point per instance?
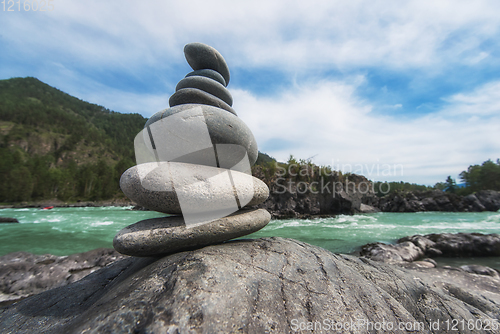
(70, 46)
(328, 119)
(289, 35)
(484, 100)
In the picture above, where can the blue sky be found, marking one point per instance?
(392, 90)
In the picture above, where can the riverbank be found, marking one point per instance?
(292, 203)
(56, 203)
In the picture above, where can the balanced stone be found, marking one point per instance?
(169, 234)
(223, 127)
(201, 56)
(174, 187)
(208, 85)
(208, 73)
(194, 159)
(193, 95)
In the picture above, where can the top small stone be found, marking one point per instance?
(201, 56)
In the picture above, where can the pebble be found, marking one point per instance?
(201, 56)
(175, 187)
(208, 85)
(197, 96)
(223, 127)
(209, 74)
(166, 235)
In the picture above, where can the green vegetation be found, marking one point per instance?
(53, 145)
(384, 188)
(484, 177)
(299, 173)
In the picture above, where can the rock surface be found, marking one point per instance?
(269, 285)
(481, 270)
(291, 200)
(207, 188)
(23, 274)
(168, 235)
(437, 200)
(445, 244)
(400, 252)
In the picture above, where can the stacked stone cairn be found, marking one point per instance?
(194, 162)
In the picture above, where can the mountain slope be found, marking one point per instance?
(53, 145)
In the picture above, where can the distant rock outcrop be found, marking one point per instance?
(333, 196)
(8, 220)
(269, 285)
(416, 247)
(437, 200)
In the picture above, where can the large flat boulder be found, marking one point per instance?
(269, 285)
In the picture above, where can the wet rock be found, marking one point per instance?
(400, 252)
(481, 270)
(8, 220)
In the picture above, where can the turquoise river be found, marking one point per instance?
(64, 231)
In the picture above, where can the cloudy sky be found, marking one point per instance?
(394, 90)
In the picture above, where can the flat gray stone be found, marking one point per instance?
(169, 234)
(208, 85)
(193, 95)
(201, 56)
(174, 187)
(208, 73)
(223, 128)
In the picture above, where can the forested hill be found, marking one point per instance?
(53, 145)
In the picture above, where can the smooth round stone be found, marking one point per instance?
(176, 187)
(207, 73)
(166, 235)
(208, 85)
(223, 128)
(201, 56)
(194, 95)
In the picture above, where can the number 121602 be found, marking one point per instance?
(27, 5)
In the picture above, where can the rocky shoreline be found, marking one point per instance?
(437, 200)
(61, 204)
(262, 285)
(418, 251)
(294, 204)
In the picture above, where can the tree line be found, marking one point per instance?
(53, 145)
(477, 177)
